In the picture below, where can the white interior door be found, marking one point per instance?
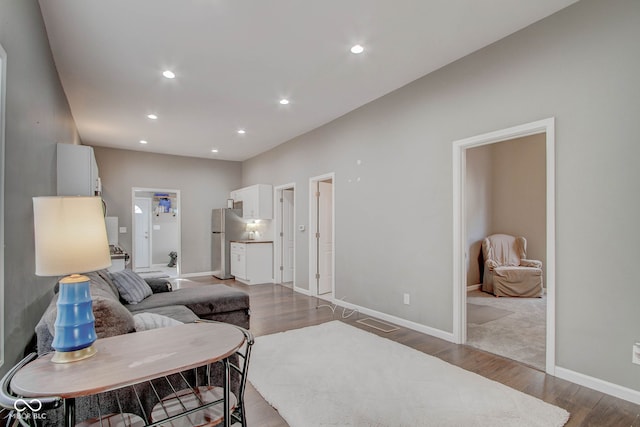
(142, 251)
(325, 237)
(287, 235)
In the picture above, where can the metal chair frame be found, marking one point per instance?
(25, 411)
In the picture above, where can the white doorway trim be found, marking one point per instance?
(278, 249)
(178, 216)
(546, 126)
(313, 220)
(3, 91)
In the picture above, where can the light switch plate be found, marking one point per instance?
(123, 230)
(636, 353)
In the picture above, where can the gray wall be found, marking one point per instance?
(37, 117)
(204, 184)
(478, 203)
(394, 226)
(519, 192)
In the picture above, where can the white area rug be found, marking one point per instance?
(336, 375)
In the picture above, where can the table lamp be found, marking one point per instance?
(71, 238)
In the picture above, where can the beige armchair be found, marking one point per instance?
(507, 272)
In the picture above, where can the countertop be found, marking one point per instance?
(251, 241)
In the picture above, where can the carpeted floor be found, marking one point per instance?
(479, 314)
(339, 375)
(519, 335)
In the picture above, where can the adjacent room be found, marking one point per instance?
(506, 193)
(294, 213)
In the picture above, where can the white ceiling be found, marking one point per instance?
(234, 60)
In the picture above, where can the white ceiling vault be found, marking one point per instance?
(234, 60)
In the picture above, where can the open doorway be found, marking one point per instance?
(462, 255)
(505, 194)
(321, 243)
(284, 219)
(156, 232)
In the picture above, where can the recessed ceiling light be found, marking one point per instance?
(214, 151)
(142, 141)
(357, 49)
(152, 116)
(169, 74)
(284, 101)
(241, 131)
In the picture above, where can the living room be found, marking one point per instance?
(391, 156)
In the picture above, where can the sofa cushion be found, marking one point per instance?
(202, 300)
(145, 321)
(103, 279)
(112, 318)
(177, 312)
(98, 279)
(132, 287)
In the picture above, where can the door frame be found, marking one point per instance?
(134, 233)
(277, 247)
(547, 127)
(3, 92)
(133, 224)
(313, 221)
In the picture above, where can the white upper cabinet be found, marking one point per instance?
(236, 195)
(257, 201)
(77, 171)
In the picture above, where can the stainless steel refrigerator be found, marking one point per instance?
(226, 225)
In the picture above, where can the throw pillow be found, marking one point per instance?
(132, 287)
(159, 285)
(146, 321)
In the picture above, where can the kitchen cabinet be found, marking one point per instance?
(77, 171)
(236, 195)
(257, 201)
(252, 261)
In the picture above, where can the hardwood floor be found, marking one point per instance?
(275, 308)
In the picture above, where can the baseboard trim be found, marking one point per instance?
(447, 336)
(204, 273)
(597, 384)
(306, 292)
(474, 287)
(606, 387)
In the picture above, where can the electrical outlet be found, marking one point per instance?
(636, 353)
(123, 230)
(406, 299)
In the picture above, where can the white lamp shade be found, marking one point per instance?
(70, 235)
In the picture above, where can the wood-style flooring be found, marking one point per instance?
(275, 308)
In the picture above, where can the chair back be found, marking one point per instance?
(504, 249)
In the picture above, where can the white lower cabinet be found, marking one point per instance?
(252, 262)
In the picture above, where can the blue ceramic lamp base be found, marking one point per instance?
(74, 327)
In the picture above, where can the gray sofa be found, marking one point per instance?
(114, 317)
